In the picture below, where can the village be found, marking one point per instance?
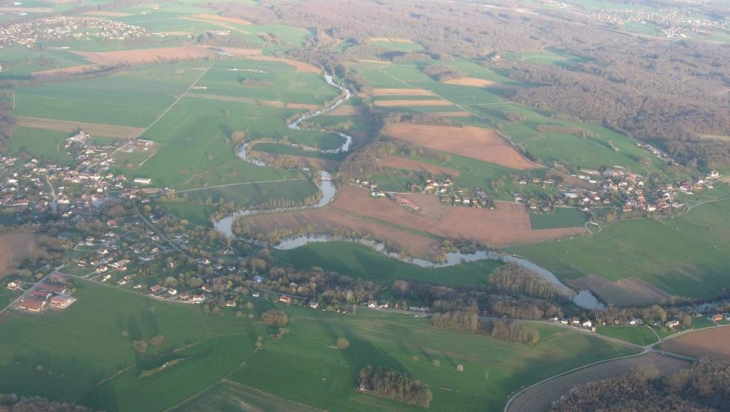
(64, 28)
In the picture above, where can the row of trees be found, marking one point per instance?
(514, 279)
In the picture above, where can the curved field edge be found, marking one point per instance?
(300, 367)
(539, 397)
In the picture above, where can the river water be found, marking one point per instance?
(583, 298)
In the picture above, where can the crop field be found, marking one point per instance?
(196, 214)
(196, 150)
(711, 343)
(562, 217)
(640, 335)
(132, 98)
(362, 262)
(416, 234)
(266, 80)
(540, 397)
(396, 162)
(684, 256)
(256, 193)
(472, 142)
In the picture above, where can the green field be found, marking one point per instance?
(196, 214)
(256, 194)
(561, 217)
(364, 263)
(232, 396)
(685, 256)
(640, 335)
(82, 355)
(47, 145)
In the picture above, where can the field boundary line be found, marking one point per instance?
(240, 184)
(516, 395)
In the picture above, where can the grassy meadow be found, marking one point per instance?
(42, 355)
(364, 263)
(685, 256)
(640, 335)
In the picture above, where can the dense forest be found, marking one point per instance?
(395, 385)
(705, 386)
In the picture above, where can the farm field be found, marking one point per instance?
(562, 217)
(362, 262)
(40, 144)
(416, 234)
(710, 343)
(472, 142)
(630, 291)
(684, 256)
(541, 396)
(640, 335)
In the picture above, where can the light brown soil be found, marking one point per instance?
(540, 397)
(138, 56)
(248, 100)
(712, 343)
(412, 103)
(396, 162)
(222, 18)
(300, 66)
(626, 292)
(66, 70)
(107, 13)
(15, 247)
(26, 10)
(400, 92)
(94, 129)
(472, 142)
(347, 110)
(470, 81)
(451, 114)
(415, 233)
(390, 40)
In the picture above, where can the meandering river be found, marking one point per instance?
(583, 298)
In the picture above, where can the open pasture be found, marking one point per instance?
(472, 142)
(229, 396)
(94, 129)
(396, 162)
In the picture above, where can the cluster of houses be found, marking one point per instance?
(590, 325)
(674, 23)
(50, 29)
(49, 293)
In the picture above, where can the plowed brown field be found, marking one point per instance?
(473, 142)
(417, 234)
(712, 343)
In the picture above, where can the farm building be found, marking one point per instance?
(143, 180)
(407, 204)
(32, 305)
(62, 302)
(717, 317)
(13, 286)
(285, 299)
(55, 288)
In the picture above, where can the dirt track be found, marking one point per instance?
(541, 396)
(94, 129)
(472, 142)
